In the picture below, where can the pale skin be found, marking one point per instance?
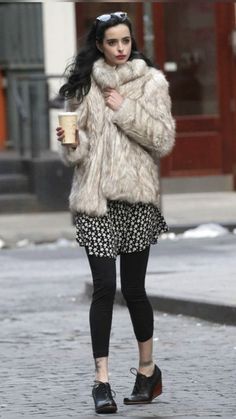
(117, 42)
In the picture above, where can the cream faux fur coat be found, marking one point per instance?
(117, 158)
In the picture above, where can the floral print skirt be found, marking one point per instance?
(124, 228)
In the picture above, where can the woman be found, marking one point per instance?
(125, 125)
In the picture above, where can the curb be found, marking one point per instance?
(217, 313)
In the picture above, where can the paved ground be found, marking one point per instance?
(47, 366)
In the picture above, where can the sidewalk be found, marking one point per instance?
(203, 285)
(182, 211)
(190, 210)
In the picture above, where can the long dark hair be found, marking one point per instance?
(79, 71)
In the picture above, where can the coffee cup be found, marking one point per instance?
(68, 121)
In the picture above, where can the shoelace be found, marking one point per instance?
(108, 390)
(140, 380)
(132, 371)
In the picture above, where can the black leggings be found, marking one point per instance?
(132, 271)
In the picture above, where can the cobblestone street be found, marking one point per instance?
(46, 361)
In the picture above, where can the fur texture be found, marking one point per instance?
(117, 157)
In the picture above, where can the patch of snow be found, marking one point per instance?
(23, 243)
(2, 244)
(205, 230)
(170, 236)
(62, 242)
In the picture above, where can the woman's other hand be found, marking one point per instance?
(113, 99)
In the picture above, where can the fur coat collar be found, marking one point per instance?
(107, 76)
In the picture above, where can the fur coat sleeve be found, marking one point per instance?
(71, 156)
(148, 120)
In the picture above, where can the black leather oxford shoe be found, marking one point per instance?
(145, 388)
(102, 396)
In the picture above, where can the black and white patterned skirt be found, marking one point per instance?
(125, 228)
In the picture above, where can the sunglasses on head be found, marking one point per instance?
(104, 18)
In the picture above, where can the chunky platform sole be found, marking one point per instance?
(157, 391)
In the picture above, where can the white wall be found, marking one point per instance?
(59, 32)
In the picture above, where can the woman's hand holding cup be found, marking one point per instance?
(60, 134)
(67, 132)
